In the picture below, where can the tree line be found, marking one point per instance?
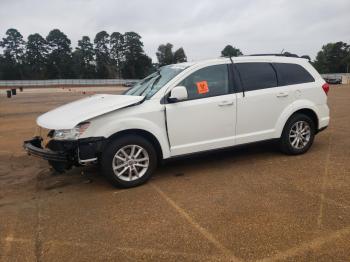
(115, 55)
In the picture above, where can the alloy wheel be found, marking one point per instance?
(299, 134)
(130, 162)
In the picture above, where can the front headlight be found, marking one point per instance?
(71, 134)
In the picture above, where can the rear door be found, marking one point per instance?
(260, 108)
(207, 119)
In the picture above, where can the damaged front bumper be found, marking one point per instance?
(34, 147)
(77, 152)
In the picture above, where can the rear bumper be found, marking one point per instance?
(34, 147)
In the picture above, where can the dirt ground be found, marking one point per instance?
(245, 204)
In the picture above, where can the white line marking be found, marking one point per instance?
(307, 246)
(227, 252)
(324, 181)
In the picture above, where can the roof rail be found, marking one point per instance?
(286, 54)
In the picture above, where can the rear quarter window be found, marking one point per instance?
(292, 74)
(255, 76)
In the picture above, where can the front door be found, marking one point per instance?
(207, 119)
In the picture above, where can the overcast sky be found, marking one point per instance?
(202, 27)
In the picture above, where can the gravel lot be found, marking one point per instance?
(245, 204)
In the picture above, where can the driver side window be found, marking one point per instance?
(207, 82)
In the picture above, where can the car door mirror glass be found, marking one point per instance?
(177, 94)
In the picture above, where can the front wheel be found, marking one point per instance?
(129, 161)
(298, 135)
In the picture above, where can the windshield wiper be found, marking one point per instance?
(154, 83)
(155, 80)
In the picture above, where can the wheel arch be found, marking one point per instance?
(303, 107)
(306, 111)
(143, 133)
(310, 113)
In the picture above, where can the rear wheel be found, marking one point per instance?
(298, 135)
(129, 161)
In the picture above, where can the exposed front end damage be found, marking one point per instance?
(63, 145)
(64, 154)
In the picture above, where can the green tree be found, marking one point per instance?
(333, 58)
(229, 51)
(13, 45)
(10, 69)
(60, 55)
(180, 56)
(137, 63)
(2, 67)
(83, 59)
(117, 55)
(117, 51)
(102, 52)
(13, 48)
(165, 54)
(36, 57)
(143, 66)
(347, 62)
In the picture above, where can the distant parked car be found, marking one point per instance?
(129, 84)
(188, 108)
(333, 80)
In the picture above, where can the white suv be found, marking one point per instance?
(188, 108)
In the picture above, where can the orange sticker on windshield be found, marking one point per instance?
(202, 87)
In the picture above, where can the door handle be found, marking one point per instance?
(226, 103)
(282, 94)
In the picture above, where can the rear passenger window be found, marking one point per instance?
(207, 82)
(291, 74)
(255, 76)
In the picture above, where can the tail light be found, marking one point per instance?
(325, 88)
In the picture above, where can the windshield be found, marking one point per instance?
(150, 85)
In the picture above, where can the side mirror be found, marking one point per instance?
(177, 94)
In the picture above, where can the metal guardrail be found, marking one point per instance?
(102, 82)
(65, 82)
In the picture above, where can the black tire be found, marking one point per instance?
(285, 140)
(111, 150)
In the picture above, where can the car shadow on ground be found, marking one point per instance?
(173, 167)
(213, 157)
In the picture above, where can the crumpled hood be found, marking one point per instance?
(69, 115)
